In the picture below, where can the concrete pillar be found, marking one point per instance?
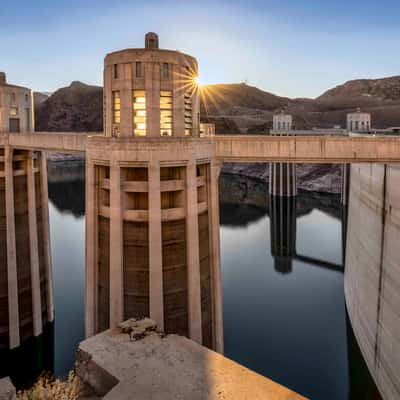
(91, 249)
(33, 246)
(107, 101)
(156, 295)
(126, 126)
(13, 308)
(116, 247)
(213, 213)
(193, 257)
(196, 113)
(178, 120)
(46, 236)
(152, 86)
(282, 179)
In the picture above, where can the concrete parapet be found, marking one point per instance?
(171, 367)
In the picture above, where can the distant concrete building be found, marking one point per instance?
(358, 121)
(16, 107)
(152, 220)
(282, 122)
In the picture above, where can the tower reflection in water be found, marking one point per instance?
(26, 298)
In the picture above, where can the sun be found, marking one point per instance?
(196, 81)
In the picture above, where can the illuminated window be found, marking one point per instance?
(115, 71)
(188, 114)
(165, 70)
(166, 112)
(116, 108)
(139, 112)
(139, 72)
(13, 111)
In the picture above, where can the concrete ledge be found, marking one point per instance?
(146, 365)
(7, 389)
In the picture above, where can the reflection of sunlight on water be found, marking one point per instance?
(67, 249)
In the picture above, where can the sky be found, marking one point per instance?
(295, 48)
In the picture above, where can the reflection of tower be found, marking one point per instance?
(283, 231)
(26, 299)
(283, 191)
(152, 201)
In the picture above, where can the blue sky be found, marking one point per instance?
(296, 48)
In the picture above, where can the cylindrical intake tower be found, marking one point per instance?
(150, 92)
(152, 218)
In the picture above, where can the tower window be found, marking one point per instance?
(139, 72)
(116, 108)
(139, 113)
(188, 114)
(116, 71)
(165, 70)
(166, 112)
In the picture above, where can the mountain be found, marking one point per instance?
(380, 89)
(237, 108)
(78, 107)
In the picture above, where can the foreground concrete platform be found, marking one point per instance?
(145, 364)
(7, 389)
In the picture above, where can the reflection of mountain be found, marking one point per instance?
(245, 200)
(67, 187)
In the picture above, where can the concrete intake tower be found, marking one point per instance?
(152, 218)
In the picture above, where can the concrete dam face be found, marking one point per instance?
(372, 270)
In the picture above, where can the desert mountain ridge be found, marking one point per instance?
(235, 108)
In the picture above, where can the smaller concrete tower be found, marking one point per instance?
(359, 121)
(151, 40)
(282, 122)
(16, 107)
(3, 78)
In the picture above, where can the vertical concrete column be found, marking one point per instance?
(152, 86)
(46, 236)
(12, 279)
(107, 101)
(178, 120)
(213, 212)
(33, 246)
(196, 112)
(193, 257)
(91, 248)
(126, 101)
(156, 295)
(116, 246)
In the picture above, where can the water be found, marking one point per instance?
(283, 317)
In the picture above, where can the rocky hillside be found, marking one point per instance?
(78, 107)
(236, 108)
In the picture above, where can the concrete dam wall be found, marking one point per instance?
(372, 272)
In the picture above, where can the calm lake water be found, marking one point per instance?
(284, 318)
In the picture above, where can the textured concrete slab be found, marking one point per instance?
(7, 389)
(153, 366)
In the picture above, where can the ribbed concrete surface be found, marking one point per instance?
(372, 272)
